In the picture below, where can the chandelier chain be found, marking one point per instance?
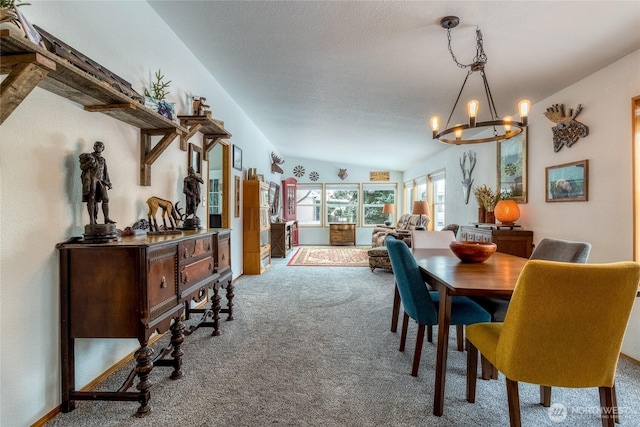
(479, 60)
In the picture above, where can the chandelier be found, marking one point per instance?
(501, 128)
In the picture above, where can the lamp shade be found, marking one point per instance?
(420, 207)
(388, 208)
(507, 211)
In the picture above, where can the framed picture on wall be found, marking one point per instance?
(195, 158)
(512, 167)
(568, 182)
(237, 157)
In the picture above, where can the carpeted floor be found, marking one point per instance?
(330, 256)
(312, 347)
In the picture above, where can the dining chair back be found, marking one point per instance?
(561, 250)
(432, 239)
(549, 336)
(419, 303)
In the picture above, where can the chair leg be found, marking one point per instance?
(472, 371)
(403, 334)
(430, 333)
(418, 351)
(545, 396)
(489, 372)
(460, 337)
(396, 309)
(615, 404)
(608, 410)
(514, 403)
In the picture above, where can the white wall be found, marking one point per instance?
(41, 194)
(328, 174)
(606, 220)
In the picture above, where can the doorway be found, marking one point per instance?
(218, 186)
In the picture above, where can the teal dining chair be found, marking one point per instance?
(420, 304)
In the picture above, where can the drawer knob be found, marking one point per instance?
(211, 266)
(186, 277)
(163, 282)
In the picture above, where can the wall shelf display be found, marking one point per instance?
(289, 188)
(256, 227)
(28, 65)
(212, 130)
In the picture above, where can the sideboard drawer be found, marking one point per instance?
(162, 291)
(194, 248)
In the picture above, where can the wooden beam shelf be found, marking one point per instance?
(29, 65)
(212, 130)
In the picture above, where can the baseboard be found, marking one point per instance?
(630, 359)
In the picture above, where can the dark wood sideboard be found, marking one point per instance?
(133, 288)
(510, 240)
(284, 236)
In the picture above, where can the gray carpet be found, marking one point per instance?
(311, 346)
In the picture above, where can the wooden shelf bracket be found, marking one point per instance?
(149, 155)
(24, 74)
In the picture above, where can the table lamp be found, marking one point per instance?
(420, 207)
(507, 211)
(388, 208)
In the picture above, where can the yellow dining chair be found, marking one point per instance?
(549, 335)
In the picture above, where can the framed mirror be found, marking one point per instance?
(219, 184)
(274, 198)
(195, 158)
(512, 168)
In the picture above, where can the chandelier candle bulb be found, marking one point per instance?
(523, 107)
(435, 124)
(507, 123)
(472, 110)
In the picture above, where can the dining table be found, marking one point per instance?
(445, 273)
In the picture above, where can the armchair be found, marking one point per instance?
(406, 224)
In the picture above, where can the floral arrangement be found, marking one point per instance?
(486, 197)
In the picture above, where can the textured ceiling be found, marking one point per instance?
(355, 81)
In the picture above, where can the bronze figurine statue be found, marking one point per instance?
(192, 191)
(95, 183)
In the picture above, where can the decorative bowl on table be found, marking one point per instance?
(473, 252)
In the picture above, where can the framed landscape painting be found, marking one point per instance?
(568, 182)
(512, 167)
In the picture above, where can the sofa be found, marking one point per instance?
(402, 230)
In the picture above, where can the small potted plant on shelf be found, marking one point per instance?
(487, 200)
(156, 98)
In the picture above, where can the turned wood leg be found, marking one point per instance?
(429, 333)
(608, 410)
(230, 296)
(417, 353)
(403, 334)
(472, 371)
(215, 310)
(177, 338)
(144, 365)
(514, 403)
(545, 396)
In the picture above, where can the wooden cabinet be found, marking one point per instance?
(131, 289)
(342, 234)
(256, 227)
(282, 238)
(289, 188)
(508, 239)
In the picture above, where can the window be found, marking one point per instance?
(408, 196)
(437, 182)
(421, 188)
(309, 204)
(342, 202)
(374, 196)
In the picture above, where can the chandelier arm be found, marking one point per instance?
(492, 106)
(457, 99)
(517, 128)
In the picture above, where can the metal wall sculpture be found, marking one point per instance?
(568, 129)
(467, 181)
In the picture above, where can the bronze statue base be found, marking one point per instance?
(191, 224)
(100, 233)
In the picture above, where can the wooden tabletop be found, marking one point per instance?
(497, 276)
